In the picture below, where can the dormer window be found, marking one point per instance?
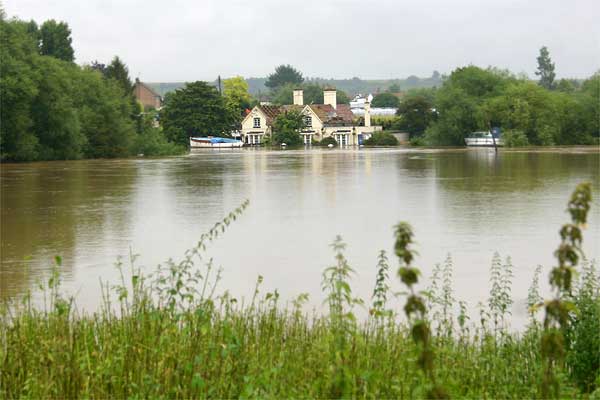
(308, 121)
(257, 122)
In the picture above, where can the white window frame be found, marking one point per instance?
(256, 122)
(308, 121)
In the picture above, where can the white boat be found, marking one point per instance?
(214, 142)
(483, 139)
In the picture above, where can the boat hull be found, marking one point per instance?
(483, 142)
(207, 143)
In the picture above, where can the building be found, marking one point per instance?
(321, 121)
(145, 95)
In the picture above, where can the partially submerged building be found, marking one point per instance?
(320, 121)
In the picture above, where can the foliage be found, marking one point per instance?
(173, 334)
(55, 40)
(118, 71)
(561, 280)
(385, 99)
(284, 74)
(195, 110)
(151, 140)
(474, 99)
(457, 103)
(54, 109)
(381, 139)
(514, 138)
(416, 310)
(416, 113)
(418, 141)
(545, 69)
(328, 140)
(583, 332)
(286, 128)
(237, 98)
(382, 287)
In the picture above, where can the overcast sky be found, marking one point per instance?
(184, 40)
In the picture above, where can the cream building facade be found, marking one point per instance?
(321, 121)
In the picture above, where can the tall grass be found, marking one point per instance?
(169, 335)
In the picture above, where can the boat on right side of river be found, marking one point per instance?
(483, 139)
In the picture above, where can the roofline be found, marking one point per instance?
(255, 107)
(149, 88)
(313, 111)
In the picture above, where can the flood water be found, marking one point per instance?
(468, 202)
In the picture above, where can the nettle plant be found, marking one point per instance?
(415, 308)
(381, 289)
(562, 276)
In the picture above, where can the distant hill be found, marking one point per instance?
(352, 87)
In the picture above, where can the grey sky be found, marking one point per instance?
(183, 40)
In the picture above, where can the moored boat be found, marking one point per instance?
(483, 139)
(214, 142)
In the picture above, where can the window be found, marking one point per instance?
(308, 121)
(257, 122)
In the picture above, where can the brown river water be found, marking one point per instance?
(465, 202)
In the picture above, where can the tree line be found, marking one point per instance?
(54, 109)
(547, 112)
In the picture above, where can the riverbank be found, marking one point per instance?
(168, 334)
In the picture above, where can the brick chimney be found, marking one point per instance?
(298, 97)
(367, 113)
(330, 97)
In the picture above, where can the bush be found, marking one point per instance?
(515, 139)
(583, 334)
(381, 139)
(290, 138)
(328, 140)
(546, 136)
(418, 141)
(152, 142)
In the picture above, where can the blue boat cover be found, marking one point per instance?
(217, 139)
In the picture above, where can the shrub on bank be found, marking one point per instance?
(328, 140)
(290, 138)
(381, 139)
(514, 138)
(152, 142)
(418, 141)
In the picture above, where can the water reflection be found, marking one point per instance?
(469, 203)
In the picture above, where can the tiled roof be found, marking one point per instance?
(142, 84)
(340, 116)
(270, 111)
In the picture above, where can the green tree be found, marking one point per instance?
(105, 116)
(457, 116)
(54, 111)
(459, 103)
(545, 69)
(385, 100)
(56, 40)
(237, 98)
(286, 128)
(284, 74)
(118, 71)
(18, 89)
(196, 109)
(416, 113)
